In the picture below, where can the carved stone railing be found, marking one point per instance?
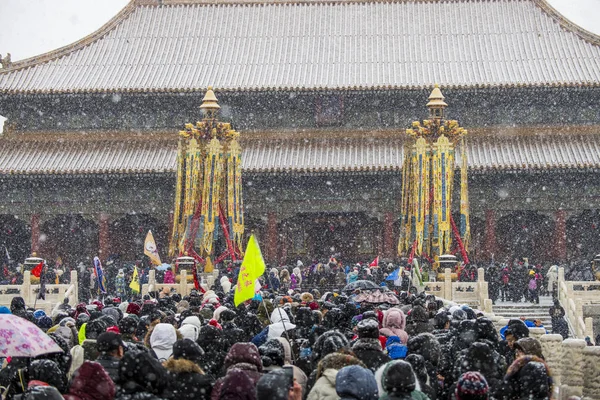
(472, 293)
(29, 292)
(572, 296)
(183, 287)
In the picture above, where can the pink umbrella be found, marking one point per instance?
(377, 297)
(21, 338)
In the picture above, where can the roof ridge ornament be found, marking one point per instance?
(210, 104)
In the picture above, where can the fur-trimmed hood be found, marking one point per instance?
(181, 366)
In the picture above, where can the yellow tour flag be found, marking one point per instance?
(209, 267)
(253, 266)
(150, 249)
(135, 281)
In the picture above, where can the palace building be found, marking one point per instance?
(321, 93)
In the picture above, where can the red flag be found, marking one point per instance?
(375, 262)
(37, 271)
(196, 283)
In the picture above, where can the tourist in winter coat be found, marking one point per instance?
(120, 287)
(91, 382)
(162, 339)
(417, 362)
(111, 349)
(169, 277)
(142, 377)
(210, 340)
(559, 324)
(429, 348)
(326, 373)
(273, 280)
(528, 377)
(276, 386)
(285, 280)
(231, 332)
(397, 381)
(244, 357)
(187, 381)
(356, 383)
(49, 372)
(394, 323)
(368, 347)
(296, 279)
(480, 357)
(418, 321)
(280, 323)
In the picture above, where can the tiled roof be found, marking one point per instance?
(525, 153)
(312, 45)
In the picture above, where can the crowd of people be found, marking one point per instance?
(290, 342)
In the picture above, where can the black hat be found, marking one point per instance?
(272, 353)
(273, 385)
(187, 349)
(109, 341)
(398, 377)
(368, 328)
(128, 325)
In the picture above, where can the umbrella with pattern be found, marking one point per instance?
(21, 338)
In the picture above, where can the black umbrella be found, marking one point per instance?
(362, 285)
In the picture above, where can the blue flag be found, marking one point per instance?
(100, 275)
(394, 275)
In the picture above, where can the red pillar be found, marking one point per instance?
(35, 234)
(490, 234)
(272, 237)
(388, 235)
(104, 237)
(560, 235)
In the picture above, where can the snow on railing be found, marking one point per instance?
(572, 298)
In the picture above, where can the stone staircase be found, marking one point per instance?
(512, 310)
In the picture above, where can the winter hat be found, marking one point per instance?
(517, 328)
(227, 315)
(272, 353)
(188, 350)
(109, 341)
(217, 313)
(127, 325)
(426, 345)
(530, 346)
(44, 323)
(4, 310)
(398, 377)
(417, 362)
(91, 381)
(355, 382)
(307, 297)
(133, 308)
(329, 342)
(237, 386)
(395, 349)
(471, 386)
(273, 386)
(368, 329)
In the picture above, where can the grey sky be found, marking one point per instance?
(32, 27)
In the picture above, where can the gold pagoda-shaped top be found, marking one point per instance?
(210, 104)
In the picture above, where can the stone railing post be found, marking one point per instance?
(74, 298)
(591, 380)
(589, 328)
(183, 283)
(551, 348)
(448, 295)
(579, 319)
(26, 288)
(572, 368)
(150, 286)
(482, 289)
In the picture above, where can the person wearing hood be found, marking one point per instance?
(187, 381)
(244, 357)
(299, 374)
(210, 340)
(368, 347)
(326, 374)
(237, 386)
(49, 372)
(528, 377)
(231, 331)
(272, 355)
(92, 330)
(353, 275)
(394, 323)
(296, 279)
(162, 339)
(280, 324)
(427, 346)
(91, 382)
(225, 284)
(142, 377)
(356, 383)
(418, 321)
(398, 382)
(18, 307)
(169, 277)
(417, 362)
(190, 328)
(273, 280)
